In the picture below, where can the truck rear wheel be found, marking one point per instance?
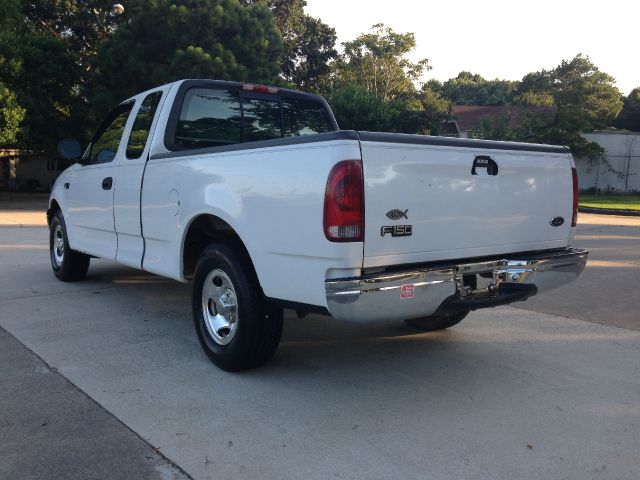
(236, 327)
(68, 265)
(437, 322)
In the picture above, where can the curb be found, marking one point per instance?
(610, 211)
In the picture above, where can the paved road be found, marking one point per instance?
(49, 429)
(509, 393)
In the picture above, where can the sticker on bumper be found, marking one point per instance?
(406, 291)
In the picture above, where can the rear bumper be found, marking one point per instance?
(443, 288)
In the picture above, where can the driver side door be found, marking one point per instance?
(89, 216)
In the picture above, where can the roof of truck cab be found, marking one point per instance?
(221, 83)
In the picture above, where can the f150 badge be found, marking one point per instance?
(396, 230)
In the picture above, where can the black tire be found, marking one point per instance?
(253, 327)
(437, 322)
(67, 264)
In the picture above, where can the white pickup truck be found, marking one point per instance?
(254, 194)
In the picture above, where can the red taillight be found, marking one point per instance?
(574, 220)
(250, 87)
(344, 203)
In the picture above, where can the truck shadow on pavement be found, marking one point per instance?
(321, 342)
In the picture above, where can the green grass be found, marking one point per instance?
(614, 202)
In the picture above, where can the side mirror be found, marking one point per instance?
(69, 149)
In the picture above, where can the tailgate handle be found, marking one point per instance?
(484, 161)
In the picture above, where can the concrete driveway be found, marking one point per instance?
(532, 392)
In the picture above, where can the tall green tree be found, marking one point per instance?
(473, 89)
(373, 86)
(496, 127)
(356, 108)
(81, 24)
(186, 39)
(629, 117)
(436, 108)
(587, 98)
(41, 75)
(308, 63)
(11, 113)
(308, 43)
(582, 97)
(378, 62)
(11, 116)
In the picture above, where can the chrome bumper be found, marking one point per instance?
(425, 291)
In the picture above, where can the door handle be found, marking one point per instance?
(107, 183)
(484, 161)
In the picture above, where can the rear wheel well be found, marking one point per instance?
(203, 231)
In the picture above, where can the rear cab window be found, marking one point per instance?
(217, 116)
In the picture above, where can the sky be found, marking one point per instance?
(501, 39)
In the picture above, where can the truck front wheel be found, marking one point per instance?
(68, 265)
(437, 322)
(236, 327)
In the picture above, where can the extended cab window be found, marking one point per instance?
(104, 145)
(212, 117)
(142, 124)
(209, 118)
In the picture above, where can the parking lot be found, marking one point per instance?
(544, 389)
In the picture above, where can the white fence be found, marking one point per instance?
(618, 170)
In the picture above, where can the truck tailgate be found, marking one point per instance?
(431, 198)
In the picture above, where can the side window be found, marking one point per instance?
(209, 118)
(107, 139)
(305, 117)
(142, 124)
(261, 119)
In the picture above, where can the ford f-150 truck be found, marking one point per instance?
(255, 194)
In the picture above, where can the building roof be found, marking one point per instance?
(468, 116)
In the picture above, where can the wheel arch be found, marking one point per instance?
(54, 206)
(201, 231)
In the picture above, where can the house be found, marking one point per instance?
(28, 170)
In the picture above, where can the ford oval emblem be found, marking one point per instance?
(556, 221)
(396, 214)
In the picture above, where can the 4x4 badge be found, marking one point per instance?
(396, 214)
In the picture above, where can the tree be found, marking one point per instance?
(435, 108)
(586, 98)
(81, 24)
(40, 74)
(629, 117)
(496, 127)
(307, 65)
(199, 39)
(473, 89)
(356, 108)
(11, 115)
(10, 12)
(378, 62)
(308, 43)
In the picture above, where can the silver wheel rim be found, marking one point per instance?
(220, 307)
(58, 246)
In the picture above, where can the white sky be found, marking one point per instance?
(501, 39)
